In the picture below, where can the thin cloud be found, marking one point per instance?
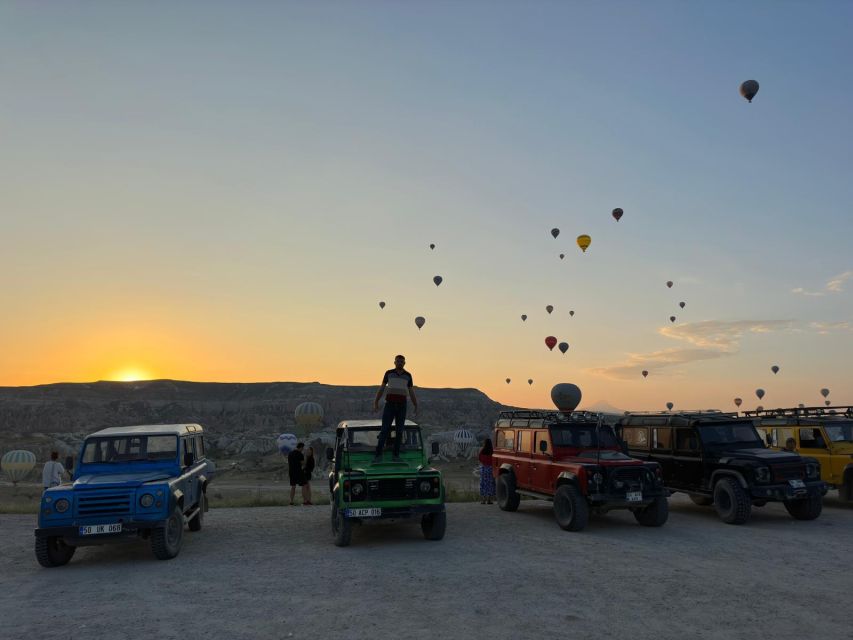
(834, 285)
(709, 340)
(825, 328)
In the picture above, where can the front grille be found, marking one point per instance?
(105, 503)
(792, 471)
(392, 489)
(628, 479)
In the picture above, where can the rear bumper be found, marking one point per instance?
(71, 534)
(389, 513)
(786, 492)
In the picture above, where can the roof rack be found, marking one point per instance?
(687, 413)
(804, 412)
(552, 416)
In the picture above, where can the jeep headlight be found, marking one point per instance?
(762, 474)
(61, 505)
(357, 489)
(812, 470)
(146, 500)
(425, 486)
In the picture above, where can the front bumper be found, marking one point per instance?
(71, 534)
(784, 491)
(618, 500)
(394, 512)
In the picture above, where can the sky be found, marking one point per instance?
(226, 191)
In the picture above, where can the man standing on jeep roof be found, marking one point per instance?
(399, 384)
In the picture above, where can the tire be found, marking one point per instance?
(654, 515)
(508, 497)
(845, 491)
(433, 525)
(702, 501)
(805, 509)
(166, 541)
(731, 501)
(198, 520)
(53, 552)
(570, 508)
(341, 527)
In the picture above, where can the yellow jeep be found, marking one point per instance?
(824, 433)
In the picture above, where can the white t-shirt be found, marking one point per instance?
(51, 475)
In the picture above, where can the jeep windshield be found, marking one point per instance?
(583, 436)
(135, 448)
(367, 439)
(739, 435)
(839, 431)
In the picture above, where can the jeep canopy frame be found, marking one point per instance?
(844, 411)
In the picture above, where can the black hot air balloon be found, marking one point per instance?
(381, 305)
(617, 213)
(748, 89)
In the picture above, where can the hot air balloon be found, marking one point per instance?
(584, 241)
(672, 318)
(801, 406)
(759, 408)
(681, 304)
(286, 443)
(432, 246)
(759, 393)
(17, 464)
(549, 308)
(308, 415)
(566, 396)
(420, 321)
(564, 346)
(738, 402)
(827, 402)
(645, 373)
(669, 284)
(437, 280)
(669, 406)
(555, 232)
(572, 312)
(381, 305)
(523, 317)
(617, 213)
(775, 369)
(748, 89)
(463, 436)
(562, 255)
(551, 342)
(530, 381)
(824, 392)
(508, 380)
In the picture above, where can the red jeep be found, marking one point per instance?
(574, 460)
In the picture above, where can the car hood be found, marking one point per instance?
(114, 480)
(767, 456)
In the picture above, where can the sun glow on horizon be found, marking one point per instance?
(129, 374)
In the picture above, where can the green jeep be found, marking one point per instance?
(365, 491)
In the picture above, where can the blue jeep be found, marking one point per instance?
(131, 482)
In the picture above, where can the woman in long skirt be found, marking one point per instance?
(487, 480)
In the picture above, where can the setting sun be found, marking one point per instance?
(129, 374)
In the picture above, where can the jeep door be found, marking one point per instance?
(541, 467)
(524, 460)
(814, 444)
(661, 452)
(189, 480)
(687, 459)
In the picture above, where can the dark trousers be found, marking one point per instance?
(393, 412)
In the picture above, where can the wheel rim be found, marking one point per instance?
(173, 531)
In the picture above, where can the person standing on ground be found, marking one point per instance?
(294, 470)
(307, 470)
(400, 388)
(487, 479)
(53, 472)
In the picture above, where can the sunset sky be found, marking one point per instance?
(225, 192)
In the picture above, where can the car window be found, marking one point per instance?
(662, 439)
(686, 442)
(811, 438)
(541, 436)
(199, 446)
(525, 440)
(636, 437)
(505, 439)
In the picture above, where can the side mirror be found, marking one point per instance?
(330, 454)
(543, 446)
(188, 459)
(434, 448)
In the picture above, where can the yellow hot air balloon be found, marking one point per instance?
(583, 242)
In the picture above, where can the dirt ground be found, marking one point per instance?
(274, 573)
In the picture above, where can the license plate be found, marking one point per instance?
(97, 529)
(634, 496)
(797, 484)
(363, 513)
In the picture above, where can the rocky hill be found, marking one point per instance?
(240, 417)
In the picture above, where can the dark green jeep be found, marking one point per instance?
(364, 491)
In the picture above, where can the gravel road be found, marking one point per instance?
(274, 573)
